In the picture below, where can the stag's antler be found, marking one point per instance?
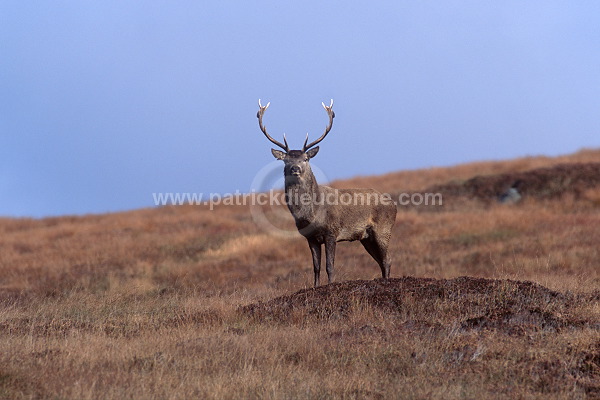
(327, 129)
(259, 115)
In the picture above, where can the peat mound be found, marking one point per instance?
(463, 303)
(540, 183)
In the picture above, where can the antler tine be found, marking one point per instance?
(259, 115)
(265, 107)
(327, 129)
(286, 143)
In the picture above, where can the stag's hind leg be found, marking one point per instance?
(330, 245)
(383, 242)
(377, 246)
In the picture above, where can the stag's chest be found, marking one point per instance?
(300, 201)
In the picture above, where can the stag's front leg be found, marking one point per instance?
(329, 256)
(315, 249)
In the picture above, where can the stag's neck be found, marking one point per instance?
(297, 189)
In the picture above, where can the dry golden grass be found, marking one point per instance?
(416, 180)
(149, 304)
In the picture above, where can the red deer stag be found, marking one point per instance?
(325, 215)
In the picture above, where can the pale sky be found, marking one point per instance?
(104, 103)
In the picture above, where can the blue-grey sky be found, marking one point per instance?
(104, 103)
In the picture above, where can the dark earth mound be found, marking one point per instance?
(462, 303)
(541, 183)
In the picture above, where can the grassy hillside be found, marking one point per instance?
(188, 302)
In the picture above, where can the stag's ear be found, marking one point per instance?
(280, 155)
(312, 152)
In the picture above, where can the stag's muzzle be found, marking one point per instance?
(295, 170)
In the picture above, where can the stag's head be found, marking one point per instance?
(296, 161)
